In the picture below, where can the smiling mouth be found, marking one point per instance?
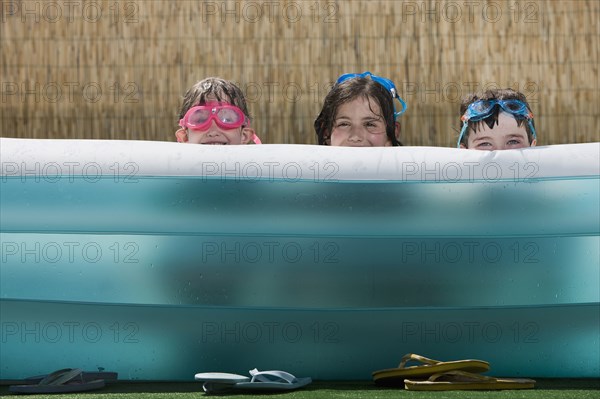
(214, 143)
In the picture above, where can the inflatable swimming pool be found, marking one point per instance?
(160, 260)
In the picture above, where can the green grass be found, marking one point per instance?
(545, 389)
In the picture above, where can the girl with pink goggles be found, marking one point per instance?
(226, 116)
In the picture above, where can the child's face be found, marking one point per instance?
(214, 134)
(355, 125)
(506, 135)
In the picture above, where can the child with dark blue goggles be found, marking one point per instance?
(482, 109)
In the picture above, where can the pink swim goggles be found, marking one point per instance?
(226, 116)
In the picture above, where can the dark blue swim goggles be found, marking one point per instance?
(388, 84)
(483, 108)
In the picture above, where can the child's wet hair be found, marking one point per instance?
(223, 90)
(350, 90)
(490, 121)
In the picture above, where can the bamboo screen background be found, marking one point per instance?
(118, 69)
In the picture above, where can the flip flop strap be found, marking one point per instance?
(60, 377)
(263, 376)
(465, 374)
(418, 358)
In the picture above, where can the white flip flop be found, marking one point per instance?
(273, 380)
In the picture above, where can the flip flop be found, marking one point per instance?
(86, 376)
(225, 378)
(273, 380)
(60, 381)
(461, 380)
(219, 382)
(427, 368)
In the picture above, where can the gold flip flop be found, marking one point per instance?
(427, 368)
(461, 380)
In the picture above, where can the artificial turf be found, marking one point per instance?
(545, 389)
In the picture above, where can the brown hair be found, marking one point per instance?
(348, 91)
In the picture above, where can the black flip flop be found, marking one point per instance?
(60, 381)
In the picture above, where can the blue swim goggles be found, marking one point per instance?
(388, 84)
(483, 108)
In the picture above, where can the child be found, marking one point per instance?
(214, 112)
(508, 110)
(359, 112)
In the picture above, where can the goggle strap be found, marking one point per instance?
(462, 133)
(533, 134)
(398, 113)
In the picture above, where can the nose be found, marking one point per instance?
(357, 135)
(213, 129)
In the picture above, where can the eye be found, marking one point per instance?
(374, 126)
(484, 144)
(198, 117)
(514, 142)
(228, 116)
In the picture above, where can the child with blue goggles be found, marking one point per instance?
(497, 119)
(359, 111)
